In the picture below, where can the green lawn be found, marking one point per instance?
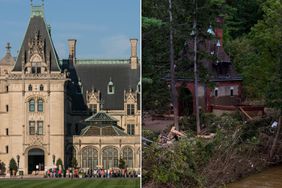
(81, 183)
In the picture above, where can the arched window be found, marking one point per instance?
(31, 105)
(40, 105)
(128, 157)
(231, 91)
(216, 92)
(41, 87)
(30, 87)
(110, 158)
(89, 157)
(111, 87)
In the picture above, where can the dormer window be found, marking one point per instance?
(37, 66)
(35, 69)
(139, 88)
(111, 88)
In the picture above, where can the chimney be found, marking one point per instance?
(219, 30)
(133, 57)
(72, 50)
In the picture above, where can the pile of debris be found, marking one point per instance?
(172, 136)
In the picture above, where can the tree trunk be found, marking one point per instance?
(172, 67)
(196, 70)
(273, 147)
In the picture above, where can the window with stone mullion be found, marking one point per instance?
(130, 109)
(32, 128)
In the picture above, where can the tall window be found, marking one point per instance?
(40, 105)
(7, 108)
(31, 105)
(39, 130)
(7, 131)
(89, 157)
(128, 157)
(130, 109)
(231, 91)
(110, 157)
(130, 129)
(41, 87)
(32, 128)
(216, 92)
(7, 149)
(30, 87)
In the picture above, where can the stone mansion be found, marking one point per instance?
(51, 108)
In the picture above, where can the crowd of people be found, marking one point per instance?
(90, 173)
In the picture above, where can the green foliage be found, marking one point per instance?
(2, 168)
(155, 44)
(149, 22)
(259, 52)
(149, 134)
(172, 166)
(13, 165)
(59, 162)
(121, 164)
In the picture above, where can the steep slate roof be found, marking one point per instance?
(98, 73)
(216, 61)
(37, 23)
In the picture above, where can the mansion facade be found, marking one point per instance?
(51, 108)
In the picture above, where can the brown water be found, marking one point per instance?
(270, 178)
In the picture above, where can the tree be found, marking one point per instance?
(156, 33)
(2, 168)
(121, 164)
(258, 56)
(174, 96)
(59, 162)
(13, 166)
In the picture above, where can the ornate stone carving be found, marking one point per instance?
(36, 140)
(93, 97)
(130, 96)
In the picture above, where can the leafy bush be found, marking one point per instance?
(149, 134)
(59, 162)
(2, 168)
(121, 164)
(13, 165)
(172, 166)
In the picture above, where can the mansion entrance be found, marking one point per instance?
(35, 160)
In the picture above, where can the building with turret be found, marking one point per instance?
(52, 108)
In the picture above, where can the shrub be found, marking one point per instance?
(13, 166)
(59, 162)
(121, 164)
(2, 168)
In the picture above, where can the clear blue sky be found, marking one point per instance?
(102, 27)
